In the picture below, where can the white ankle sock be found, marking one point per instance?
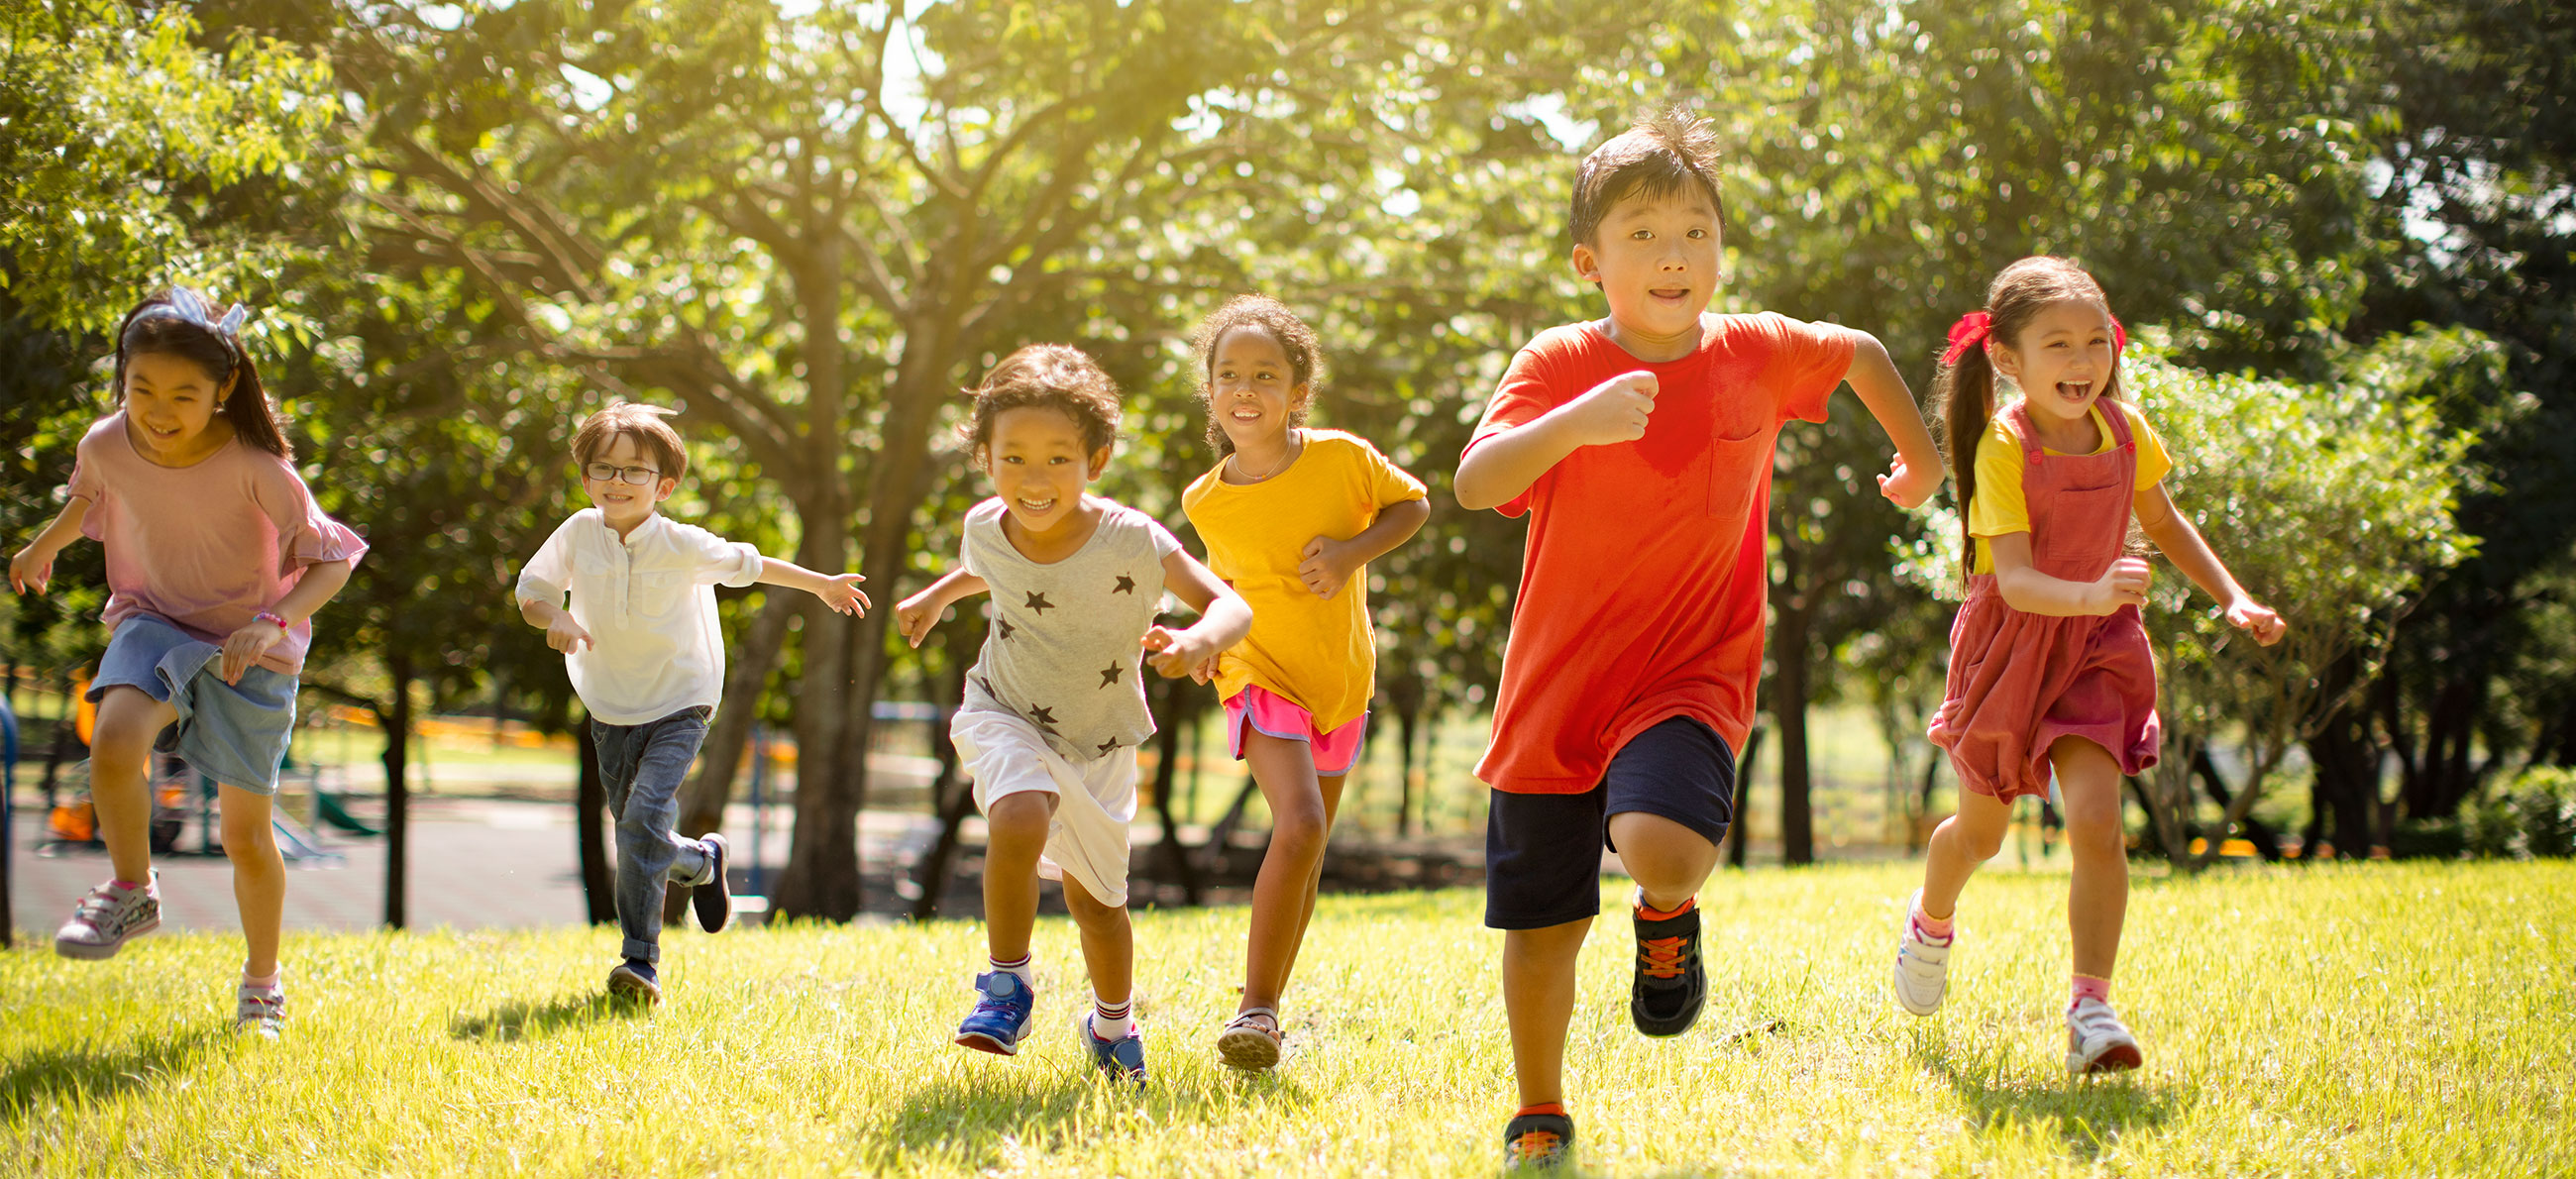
(1112, 1021)
(1024, 968)
(265, 984)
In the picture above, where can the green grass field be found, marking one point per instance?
(2390, 1019)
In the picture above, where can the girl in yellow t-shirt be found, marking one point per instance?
(1291, 518)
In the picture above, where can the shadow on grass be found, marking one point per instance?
(2089, 1116)
(33, 1079)
(514, 1021)
(981, 1115)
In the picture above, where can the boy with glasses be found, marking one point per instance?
(641, 643)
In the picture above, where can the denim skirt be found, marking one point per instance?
(233, 733)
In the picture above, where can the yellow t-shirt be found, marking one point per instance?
(1999, 508)
(1316, 651)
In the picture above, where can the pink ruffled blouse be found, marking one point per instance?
(206, 546)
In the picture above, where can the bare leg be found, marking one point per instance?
(259, 875)
(1962, 841)
(1332, 791)
(1108, 943)
(1016, 833)
(1538, 997)
(1667, 860)
(120, 765)
(2097, 899)
(1284, 892)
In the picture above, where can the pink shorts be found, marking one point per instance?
(1278, 716)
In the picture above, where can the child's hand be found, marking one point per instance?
(1180, 653)
(1908, 487)
(1613, 411)
(2125, 585)
(564, 634)
(31, 570)
(914, 616)
(841, 593)
(243, 647)
(1324, 565)
(2258, 620)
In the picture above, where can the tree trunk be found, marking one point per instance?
(2267, 842)
(397, 722)
(821, 878)
(1789, 708)
(591, 830)
(1167, 743)
(1737, 823)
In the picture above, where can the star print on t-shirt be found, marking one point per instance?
(1005, 625)
(1045, 717)
(1109, 674)
(1038, 602)
(1126, 585)
(1108, 745)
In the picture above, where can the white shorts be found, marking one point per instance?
(1095, 800)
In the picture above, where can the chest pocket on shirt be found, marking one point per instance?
(660, 592)
(2077, 534)
(1736, 467)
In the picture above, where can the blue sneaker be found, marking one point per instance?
(1122, 1059)
(1004, 1009)
(714, 899)
(634, 979)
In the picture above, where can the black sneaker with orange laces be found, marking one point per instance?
(1538, 1138)
(1670, 986)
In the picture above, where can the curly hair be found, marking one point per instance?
(1051, 376)
(1661, 155)
(1269, 316)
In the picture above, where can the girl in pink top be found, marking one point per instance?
(2049, 663)
(216, 560)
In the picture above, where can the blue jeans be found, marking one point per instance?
(644, 765)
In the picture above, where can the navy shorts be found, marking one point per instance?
(1543, 851)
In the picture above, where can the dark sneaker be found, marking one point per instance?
(1538, 1142)
(1122, 1059)
(1004, 1009)
(714, 899)
(634, 979)
(1670, 986)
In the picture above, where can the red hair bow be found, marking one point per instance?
(1969, 332)
(2119, 336)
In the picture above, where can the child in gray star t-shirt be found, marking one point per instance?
(1055, 708)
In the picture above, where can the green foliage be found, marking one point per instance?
(2532, 816)
(131, 151)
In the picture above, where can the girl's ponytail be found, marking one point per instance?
(176, 322)
(1964, 395)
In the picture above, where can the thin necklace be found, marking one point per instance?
(1275, 468)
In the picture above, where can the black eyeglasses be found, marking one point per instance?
(639, 476)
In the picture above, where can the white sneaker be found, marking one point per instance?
(2097, 1042)
(107, 917)
(1922, 967)
(260, 1011)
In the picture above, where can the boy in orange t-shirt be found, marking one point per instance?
(1640, 447)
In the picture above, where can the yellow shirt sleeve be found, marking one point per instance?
(1388, 484)
(2154, 461)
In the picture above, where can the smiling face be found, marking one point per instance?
(170, 407)
(2063, 360)
(1252, 388)
(624, 505)
(1656, 260)
(1039, 467)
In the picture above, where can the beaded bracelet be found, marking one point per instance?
(271, 616)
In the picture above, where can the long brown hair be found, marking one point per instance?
(1964, 394)
(174, 322)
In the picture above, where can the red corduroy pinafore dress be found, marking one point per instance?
(2020, 681)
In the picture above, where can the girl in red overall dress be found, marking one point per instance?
(2049, 663)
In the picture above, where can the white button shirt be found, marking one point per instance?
(649, 604)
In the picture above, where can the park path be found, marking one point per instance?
(476, 863)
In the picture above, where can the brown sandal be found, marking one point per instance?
(1250, 1040)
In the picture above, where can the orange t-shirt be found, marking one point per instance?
(1642, 587)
